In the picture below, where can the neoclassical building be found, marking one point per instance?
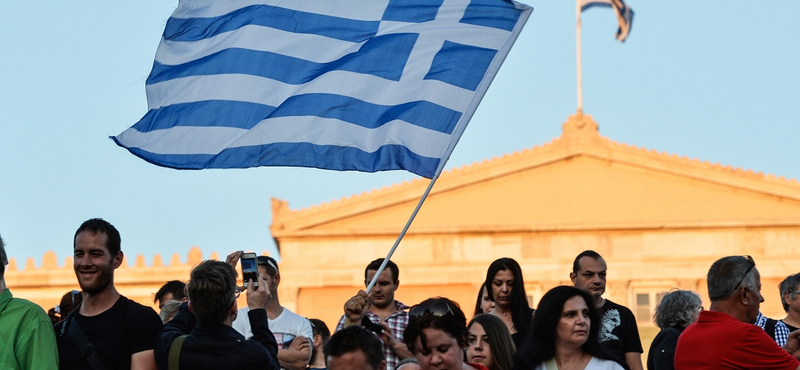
(659, 220)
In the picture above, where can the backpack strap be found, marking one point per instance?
(78, 337)
(175, 352)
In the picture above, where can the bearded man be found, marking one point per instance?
(107, 331)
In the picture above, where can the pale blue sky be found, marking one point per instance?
(720, 84)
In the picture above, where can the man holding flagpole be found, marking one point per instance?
(387, 317)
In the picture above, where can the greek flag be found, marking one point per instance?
(623, 12)
(365, 85)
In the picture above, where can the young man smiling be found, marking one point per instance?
(107, 330)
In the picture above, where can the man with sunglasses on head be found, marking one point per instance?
(725, 337)
(292, 331)
(380, 312)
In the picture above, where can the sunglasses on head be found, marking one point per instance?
(752, 264)
(436, 309)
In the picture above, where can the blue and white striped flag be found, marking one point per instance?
(623, 12)
(365, 85)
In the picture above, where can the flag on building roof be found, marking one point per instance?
(623, 12)
(363, 85)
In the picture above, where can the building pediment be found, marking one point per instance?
(579, 181)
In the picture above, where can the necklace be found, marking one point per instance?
(602, 302)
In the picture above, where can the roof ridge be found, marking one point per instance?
(579, 130)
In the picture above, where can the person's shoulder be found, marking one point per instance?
(25, 310)
(612, 304)
(139, 313)
(133, 306)
(597, 363)
(289, 314)
(476, 366)
(24, 304)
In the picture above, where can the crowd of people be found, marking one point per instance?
(200, 325)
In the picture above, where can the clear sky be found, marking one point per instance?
(696, 79)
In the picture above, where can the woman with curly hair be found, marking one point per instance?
(676, 311)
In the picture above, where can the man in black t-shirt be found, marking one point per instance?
(619, 335)
(107, 331)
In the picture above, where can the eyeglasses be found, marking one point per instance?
(752, 264)
(237, 293)
(436, 309)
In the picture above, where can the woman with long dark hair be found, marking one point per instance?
(489, 343)
(564, 334)
(506, 288)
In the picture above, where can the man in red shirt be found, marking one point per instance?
(725, 337)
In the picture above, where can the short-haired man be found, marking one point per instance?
(382, 309)
(173, 290)
(292, 331)
(27, 341)
(321, 337)
(107, 330)
(354, 348)
(724, 336)
(204, 324)
(619, 334)
(780, 329)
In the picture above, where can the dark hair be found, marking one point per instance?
(520, 309)
(270, 264)
(356, 338)
(479, 302)
(175, 287)
(576, 264)
(678, 308)
(96, 225)
(318, 327)
(376, 264)
(453, 323)
(69, 302)
(540, 345)
(500, 343)
(726, 273)
(789, 286)
(212, 291)
(3, 258)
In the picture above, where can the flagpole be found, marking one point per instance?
(403, 232)
(578, 55)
